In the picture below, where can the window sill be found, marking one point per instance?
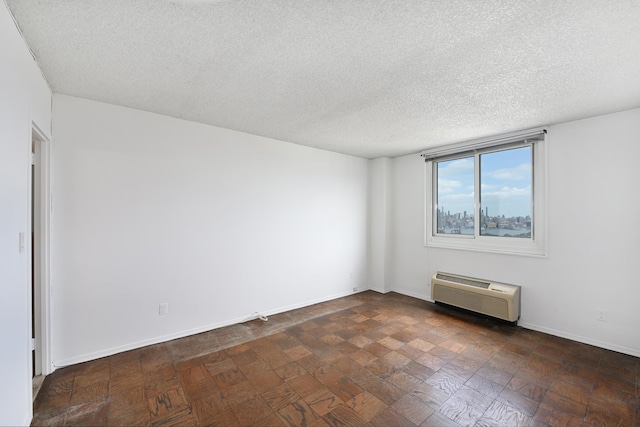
(488, 245)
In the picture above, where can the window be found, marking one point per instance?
(487, 195)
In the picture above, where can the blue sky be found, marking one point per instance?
(505, 178)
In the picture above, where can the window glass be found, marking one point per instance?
(505, 193)
(455, 195)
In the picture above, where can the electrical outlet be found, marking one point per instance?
(163, 309)
(601, 315)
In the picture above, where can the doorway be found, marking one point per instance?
(40, 212)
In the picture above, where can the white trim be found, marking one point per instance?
(43, 315)
(164, 338)
(535, 247)
(581, 339)
(412, 294)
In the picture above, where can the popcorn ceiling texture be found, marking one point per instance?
(367, 78)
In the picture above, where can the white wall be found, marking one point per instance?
(593, 244)
(217, 223)
(24, 97)
(379, 223)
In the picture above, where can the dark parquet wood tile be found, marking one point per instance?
(366, 405)
(251, 411)
(439, 420)
(549, 416)
(473, 398)
(226, 418)
(343, 416)
(404, 381)
(413, 409)
(527, 389)
(298, 413)
(445, 382)
(517, 401)
(429, 395)
(280, 396)
(364, 360)
(418, 370)
(460, 412)
(504, 414)
(484, 386)
(389, 417)
(323, 401)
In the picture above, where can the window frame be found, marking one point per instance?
(534, 246)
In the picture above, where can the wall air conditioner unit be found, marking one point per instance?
(482, 296)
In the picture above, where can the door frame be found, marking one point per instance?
(42, 249)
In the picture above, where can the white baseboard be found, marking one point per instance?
(164, 338)
(417, 295)
(581, 339)
(308, 303)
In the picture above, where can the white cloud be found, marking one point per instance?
(448, 183)
(506, 192)
(518, 173)
(457, 167)
(508, 201)
(458, 197)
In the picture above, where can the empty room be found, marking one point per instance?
(319, 213)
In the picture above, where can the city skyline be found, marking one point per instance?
(505, 184)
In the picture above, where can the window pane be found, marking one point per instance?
(505, 193)
(455, 197)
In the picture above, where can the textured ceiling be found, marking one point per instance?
(368, 78)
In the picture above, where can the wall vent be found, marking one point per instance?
(482, 296)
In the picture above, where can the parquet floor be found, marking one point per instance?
(364, 360)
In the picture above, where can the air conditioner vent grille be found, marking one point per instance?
(464, 281)
(499, 300)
